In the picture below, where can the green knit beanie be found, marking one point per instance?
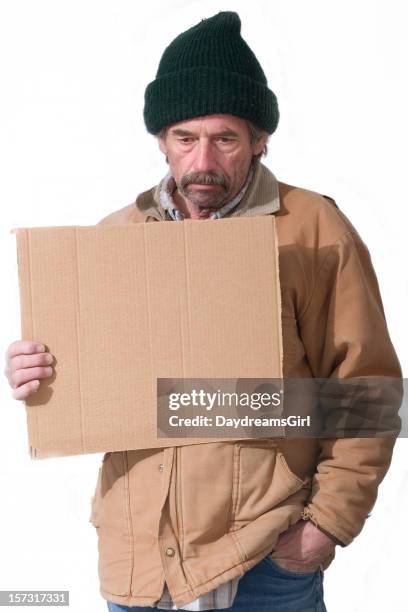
(206, 70)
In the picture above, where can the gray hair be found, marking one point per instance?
(255, 134)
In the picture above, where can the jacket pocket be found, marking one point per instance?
(205, 474)
(110, 517)
(262, 480)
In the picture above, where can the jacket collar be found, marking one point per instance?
(261, 197)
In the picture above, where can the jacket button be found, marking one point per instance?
(161, 467)
(170, 552)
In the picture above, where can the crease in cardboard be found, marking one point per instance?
(188, 306)
(148, 300)
(77, 327)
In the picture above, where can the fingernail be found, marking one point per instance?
(40, 348)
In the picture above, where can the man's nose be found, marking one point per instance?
(204, 159)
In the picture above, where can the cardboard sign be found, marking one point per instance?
(121, 305)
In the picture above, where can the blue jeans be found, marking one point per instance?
(268, 588)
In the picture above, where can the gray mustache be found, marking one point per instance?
(205, 178)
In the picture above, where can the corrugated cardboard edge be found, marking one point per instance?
(77, 325)
(23, 255)
(279, 317)
(279, 297)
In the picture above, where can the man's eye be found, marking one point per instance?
(185, 140)
(224, 140)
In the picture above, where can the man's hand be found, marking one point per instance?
(26, 363)
(302, 547)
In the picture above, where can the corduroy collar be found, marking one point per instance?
(261, 197)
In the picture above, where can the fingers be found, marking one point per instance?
(20, 362)
(26, 364)
(22, 392)
(25, 347)
(20, 377)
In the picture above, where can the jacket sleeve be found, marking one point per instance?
(344, 332)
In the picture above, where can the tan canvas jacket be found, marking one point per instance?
(197, 516)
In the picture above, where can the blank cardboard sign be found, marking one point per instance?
(121, 305)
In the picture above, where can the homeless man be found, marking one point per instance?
(247, 525)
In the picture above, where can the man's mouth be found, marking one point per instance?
(203, 185)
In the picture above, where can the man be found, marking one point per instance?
(248, 525)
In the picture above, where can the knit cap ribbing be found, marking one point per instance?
(210, 69)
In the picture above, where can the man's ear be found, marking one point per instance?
(260, 145)
(162, 145)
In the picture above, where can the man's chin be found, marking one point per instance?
(204, 198)
(203, 202)
(211, 207)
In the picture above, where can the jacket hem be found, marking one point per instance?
(184, 597)
(129, 600)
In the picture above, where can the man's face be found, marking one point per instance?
(209, 157)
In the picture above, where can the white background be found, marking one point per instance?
(74, 148)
